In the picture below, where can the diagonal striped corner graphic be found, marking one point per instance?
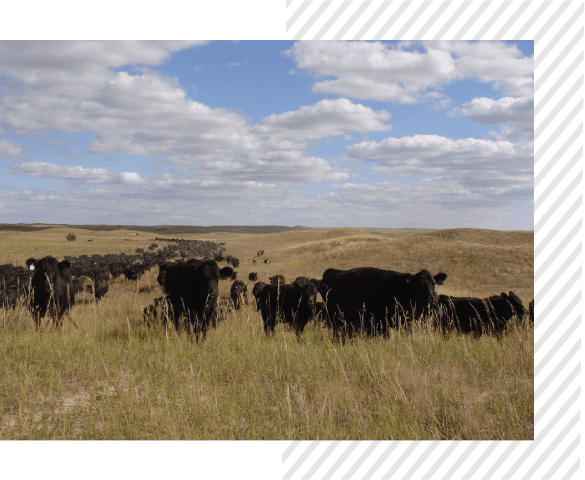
(557, 30)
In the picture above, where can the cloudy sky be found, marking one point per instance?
(430, 134)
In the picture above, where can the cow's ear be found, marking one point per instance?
(30, 261)
(323, 289)
(504, 296)
(440, 278)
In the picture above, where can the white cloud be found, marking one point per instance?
(74, 173)
(401, 73)
(10, 149)
(507, 111)
(326, 118)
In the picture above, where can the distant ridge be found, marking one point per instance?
(163, 229)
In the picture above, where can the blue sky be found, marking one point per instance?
(431, 134)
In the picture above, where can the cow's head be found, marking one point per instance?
(424, 283)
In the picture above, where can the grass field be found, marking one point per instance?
(105, 375)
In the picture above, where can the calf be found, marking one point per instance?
(237, 291)
(51, 289)
(479, 316)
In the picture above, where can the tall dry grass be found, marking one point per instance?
(105, 375)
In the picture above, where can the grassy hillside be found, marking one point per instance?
(105, 375)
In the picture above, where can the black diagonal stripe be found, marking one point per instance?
(321, 460)
(288, 451)
(562, 411)
(451, 446)
(521, 460)
(555, 442)
(380, 461)
(560, 103)
(512, 21)
(457, 14)
(332, 19)
(552, 19)
(461, 459)
(373, 18)
(573, 374)
(491, 446)
(555, 179)
(559, 77)
(360, 460)
(314, 18)
(563, 457)
(522, 33)
(300, 461)
(392, 20)
(561, 270)
(565, 218)
(433, 19)
(564, 125)
(412, 19)
(472, 20)
(404, 456)
(340, 461)
(351, 21)
(564, 338)
(562, 198)
(426, 453)
(297, 13)
(568, 143)
(510, 448)
(557, 252)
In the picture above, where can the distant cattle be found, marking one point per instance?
(237, 292)
(479, 316)
(192, 289)
(277, 280)
(9, 296)
(266, 261)
(252, 277)
(531, 311)
(51, 289)
(373, 300)
(293, 304)
(261, 252)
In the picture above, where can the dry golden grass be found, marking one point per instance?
(105, 375)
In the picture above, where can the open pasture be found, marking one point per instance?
(105, 375)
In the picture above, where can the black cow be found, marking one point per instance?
(237, 291)
(51, 289)
(277, 280)
(192, 289)
(253, 277)
(531, 311)
(373, 300)
(257, 291)
(293, 304)
(162, 270)
(227, 272)
(479, 316)
(9, 296)
(100, 289)
(266, 261)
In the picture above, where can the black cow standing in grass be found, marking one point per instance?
(373, 300)
(479, 316)
(192, 291)
(100, 289)
(293, 304)
(253, 276)
(257, 292)
(51, 289)
(237, 292)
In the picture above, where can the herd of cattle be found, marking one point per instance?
(365, 299)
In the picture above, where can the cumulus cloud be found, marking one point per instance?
(326, 118)
(411, 72)
(515, 114)
(10, 149)
(74, 173)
